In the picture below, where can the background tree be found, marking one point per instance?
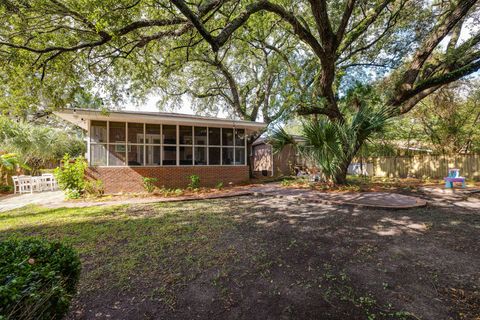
(38, 146)
(446, 122)
(116, 41)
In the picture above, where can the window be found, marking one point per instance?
(227, 137)
(98, 132)
(169, 156)
(169, 134)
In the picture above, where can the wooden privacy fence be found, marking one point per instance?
(423, 166)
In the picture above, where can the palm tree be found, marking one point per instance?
(37, 145)
(9, 162)
(333, 145)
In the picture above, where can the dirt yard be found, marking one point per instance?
(267, 258)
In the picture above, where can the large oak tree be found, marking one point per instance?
(424, 44)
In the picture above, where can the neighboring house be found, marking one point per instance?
(124, 147)
(267, 163)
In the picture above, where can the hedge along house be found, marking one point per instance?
(124, 147)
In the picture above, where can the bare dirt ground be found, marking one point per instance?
(281, 258)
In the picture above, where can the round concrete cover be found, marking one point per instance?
(375, 199)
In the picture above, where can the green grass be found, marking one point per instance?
(119, 243)
(157, 252)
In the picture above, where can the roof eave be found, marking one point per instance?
(80, 118)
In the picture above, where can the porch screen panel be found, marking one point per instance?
(227, 137)
(186, 156)
(152, 134)
(98, 143)
(200, 155)
(169, 134)
(117, 132)
(153, 156)
(227, 156)
(169, 151)
(135, 133)
(240, 156)
(153, 140)
(200, 136)
(169, 156)
(98, 154)
(240, 138)
(135, 155)
(116, 154)
(98, 132)
(185, 134)
(214, 155)
(214, 136)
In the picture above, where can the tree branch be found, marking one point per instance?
(345, 19)
(423, 53)
(363, 26)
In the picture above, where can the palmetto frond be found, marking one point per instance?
(331, 145)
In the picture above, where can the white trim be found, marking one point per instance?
(108, 140)
(208, 145)
(80, 117)
(178, 145)
(88, 142)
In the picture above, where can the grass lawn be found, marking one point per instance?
(265, 258)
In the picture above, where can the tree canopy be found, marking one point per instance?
(255, 58)
(127, 48)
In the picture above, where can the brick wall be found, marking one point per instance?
(129, 179)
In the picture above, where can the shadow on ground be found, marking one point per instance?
(274, 258)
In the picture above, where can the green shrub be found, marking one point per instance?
(149, 184)
(94, 188)
(37, 279)
(4, 188)
(219, 185)
(71, 176)
(194, 181)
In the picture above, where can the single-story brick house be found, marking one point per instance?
(125, 146)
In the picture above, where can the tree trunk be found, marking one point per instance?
(341, 176)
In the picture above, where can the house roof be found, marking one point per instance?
(80, 118)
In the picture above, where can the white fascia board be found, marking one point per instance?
(80, 118)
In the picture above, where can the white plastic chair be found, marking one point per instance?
(16, 186)
(49, 181)
(25, 184)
